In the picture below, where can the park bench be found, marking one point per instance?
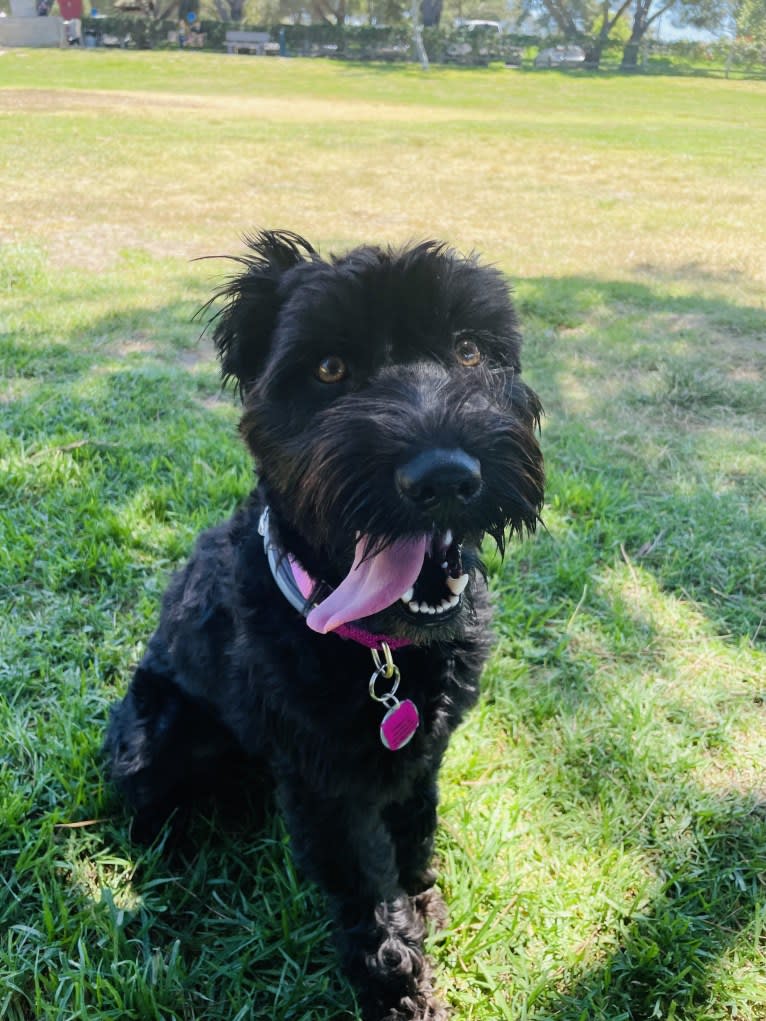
(259, 43)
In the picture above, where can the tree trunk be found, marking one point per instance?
(593, 53)
(630, 55)
(168, 12)
(331, 14)
(643, 19)
(561, 14)
(640, 25)
(595, 47)
(431, 12)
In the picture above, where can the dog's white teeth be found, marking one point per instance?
(444, 605)
(407, 596)
(457, 585)
(447, 538)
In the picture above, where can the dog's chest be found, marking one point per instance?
(323, 703)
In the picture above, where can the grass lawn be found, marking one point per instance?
(603, 821)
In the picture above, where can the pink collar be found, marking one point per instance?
(369, 639)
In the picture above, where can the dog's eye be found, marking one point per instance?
(467, 353)
(331, 370)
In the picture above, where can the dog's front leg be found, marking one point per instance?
(349, 851)
(412, 825)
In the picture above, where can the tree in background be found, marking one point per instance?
(431, 12)
(328, 12)
(743, 22)
(751, 19)
(376, 12)
(605, 24)
(712, 15)
(264, 12)
(571, 18)
(230, 10)
(645, 14)
(734, 18)
(157, 10)
(592, 23)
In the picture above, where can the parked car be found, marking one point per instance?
(486, 26)
(560, 56)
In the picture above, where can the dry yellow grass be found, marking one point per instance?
(556, 176)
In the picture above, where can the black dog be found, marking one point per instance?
(336, 627)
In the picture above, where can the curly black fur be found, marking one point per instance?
(233, 671)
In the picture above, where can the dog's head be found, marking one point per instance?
(391, 429)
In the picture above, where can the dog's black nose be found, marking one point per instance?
(439, 477)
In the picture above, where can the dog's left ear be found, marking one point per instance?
(243, 327)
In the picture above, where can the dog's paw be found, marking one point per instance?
(397, 966)
(404, 979)
(422, 1007)
(431, 907)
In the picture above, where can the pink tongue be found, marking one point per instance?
(371, 585)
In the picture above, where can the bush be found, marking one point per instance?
(141, 33)
(443, 46)
(478, 46)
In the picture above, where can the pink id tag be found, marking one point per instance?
(399, 724)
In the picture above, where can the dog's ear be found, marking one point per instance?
(243, 327)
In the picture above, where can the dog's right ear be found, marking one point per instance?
(243, 327)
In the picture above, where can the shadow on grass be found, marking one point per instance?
(655, 68)
(119, 449)
(666, 69)
(654, 436)
(640, 385)
(683, 939)
(691, 945)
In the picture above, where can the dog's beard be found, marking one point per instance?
(333, 486)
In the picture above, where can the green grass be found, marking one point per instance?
(603, 824)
